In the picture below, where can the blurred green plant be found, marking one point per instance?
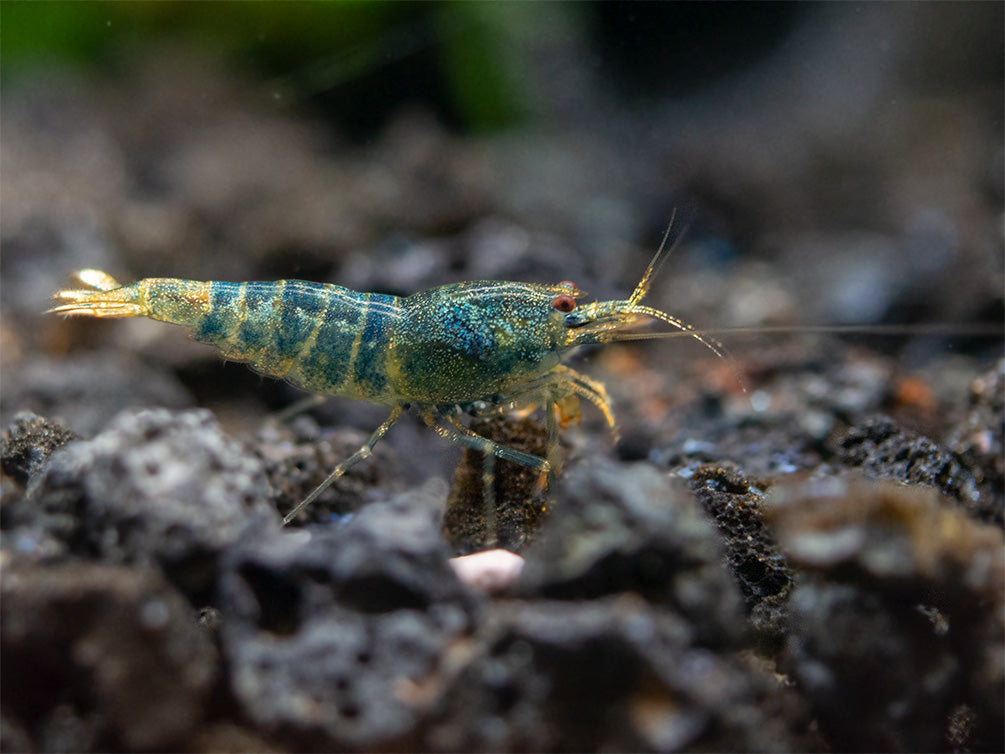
(465, 59)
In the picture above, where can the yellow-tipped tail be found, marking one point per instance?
(102, 296)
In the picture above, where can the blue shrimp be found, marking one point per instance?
(482, 343)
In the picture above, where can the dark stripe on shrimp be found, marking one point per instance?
(369, 373)
(302, 305)
(221, 320)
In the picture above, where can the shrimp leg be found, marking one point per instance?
(359, 455)
(449, 428)
(297, 408)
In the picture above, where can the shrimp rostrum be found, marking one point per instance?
(445, 350)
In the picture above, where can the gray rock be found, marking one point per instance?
(27, 444)
(330, 631)
(618, 528)
(156, 487)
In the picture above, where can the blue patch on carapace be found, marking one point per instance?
(467, 330)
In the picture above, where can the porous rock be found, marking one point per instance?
(758, 565)
(884, 450)
(299, 456)
(330, 631)
(27, 444)
(25, 449)
(155, 487)
(978, 440)
(628, 528)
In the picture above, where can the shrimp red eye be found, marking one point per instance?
(569, 284)
(564, 303)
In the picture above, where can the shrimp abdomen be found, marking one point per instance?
(323, 338)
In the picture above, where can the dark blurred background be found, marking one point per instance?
(832, 163)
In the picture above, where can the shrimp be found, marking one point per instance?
(454, 348)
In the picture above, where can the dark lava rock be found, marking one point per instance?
(978, 440)
(156, 487)
(764, 576)
(897, 635)
(629, 528)
(520, 506)
(99, 658)
(885, 450)
(613, 674)
(27, 444)
(329, 632)
(24, 451)
(300, 456)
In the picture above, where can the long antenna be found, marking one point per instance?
(975, 329)
(657, 261)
